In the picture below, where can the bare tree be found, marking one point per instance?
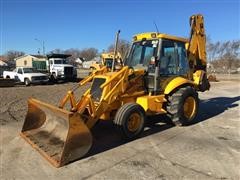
(9, 57)
(123, 47)
(89, 53)
(56, 51)
(212, 49)
(224, 56)
(75, 53)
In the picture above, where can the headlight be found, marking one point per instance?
(60, 71)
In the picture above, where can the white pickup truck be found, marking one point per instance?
(26, 75)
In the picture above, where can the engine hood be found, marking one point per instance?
(34, 74)
(61, 65)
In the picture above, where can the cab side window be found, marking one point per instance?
(168, 60)
(19, 71)
(182, 56)
(136, 56)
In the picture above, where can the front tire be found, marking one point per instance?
(182, 106)
(27, 82)
(53, 78)
(130, 120)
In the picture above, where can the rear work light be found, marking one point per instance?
(153, 35)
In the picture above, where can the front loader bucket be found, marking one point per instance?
(59, 135)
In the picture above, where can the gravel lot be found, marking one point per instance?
(208, 149)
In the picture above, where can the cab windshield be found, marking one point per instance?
(29, 70)
(141, 53)
(61, 61)
(108, 62)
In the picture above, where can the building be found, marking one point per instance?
(87, 64)
(35, 61)
(2, 63)
(3, 66)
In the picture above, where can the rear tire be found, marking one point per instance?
(182, 106)
(27, 82)
(130, 120)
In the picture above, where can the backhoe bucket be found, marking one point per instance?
(59, 135)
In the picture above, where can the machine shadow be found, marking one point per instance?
(105, 136)
(215, 106)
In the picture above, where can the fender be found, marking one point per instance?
(54, 72)
(175, 83)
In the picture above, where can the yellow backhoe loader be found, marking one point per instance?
(107, 60)
(161, 75)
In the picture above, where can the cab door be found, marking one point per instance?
(183, 65)
(20, 74)
(173, 60)
(168, 59)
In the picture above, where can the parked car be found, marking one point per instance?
(26, 75)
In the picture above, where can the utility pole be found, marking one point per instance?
(42, 44)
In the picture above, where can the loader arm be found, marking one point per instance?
(96, 109)
(70, 94)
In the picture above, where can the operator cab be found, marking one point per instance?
(160, 55)
(108, 58)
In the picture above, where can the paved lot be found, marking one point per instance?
(208, 149)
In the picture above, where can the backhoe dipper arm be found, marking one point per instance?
(197, 43)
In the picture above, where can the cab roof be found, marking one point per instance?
(110, 55)
(53, 55)
(156, 35)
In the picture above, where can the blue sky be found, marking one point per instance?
(86, 23)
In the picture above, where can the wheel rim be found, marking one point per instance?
(134, 122)
(189, 107)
